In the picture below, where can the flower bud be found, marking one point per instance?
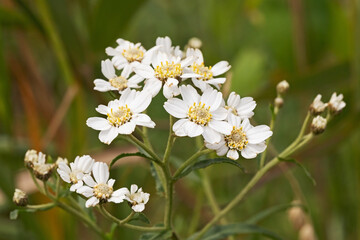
(336, 103)
(43, 171)
(307, 232)
(282, 87)
(20, 198)
(278, 102)
(318, 125)
(31, 158)
(194, 42)
(317, 106)
(296, 216)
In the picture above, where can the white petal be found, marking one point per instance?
(257, 148)
(98, 123)
(116, 199)
(86, 191)
(91, 202)
(222, 150)
(178, 127)
(141, 102)
(220, 68)
(89, 181)
(76, 186)
(193, 129)
(102, 109)
(232, 154)
(101, 172)
(153, 86)
(258, 134)
(127, 128)
(189, 95)
(143, 120)
(107, 136)
(199, 84)
(248, 153)
(219, 114)
(111, 182)
(176, 107)
(102, 85)
(211, 136)
(138, 207)
(245, 124)
(221, 126)
(144, 71)
(108, 69)
(216, 80)
(211, 98)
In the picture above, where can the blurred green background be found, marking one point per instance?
(50, 53)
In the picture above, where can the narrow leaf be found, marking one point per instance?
(140, 217)
(206, 163)
(221, 232)
(270, 211)
(139, 154)
(307, 173)
(164, 235)
(158, 184)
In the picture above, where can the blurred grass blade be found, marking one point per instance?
(307, 173)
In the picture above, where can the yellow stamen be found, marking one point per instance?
(205, 72)
(119, 116)
(168, 70)
(237, 139)
(199, 114)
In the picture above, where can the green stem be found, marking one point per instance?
(127, 219)
(57, 189)
(170, 142)
(272, 123)
(252, 183)
(44, 206)
(191, 160)
(41, 190)
(140, 144)
(168, 208)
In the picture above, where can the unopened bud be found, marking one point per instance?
(307, 232)
(278, 102)
(20, 198)
(282, 87)
(317, 106)
(336, 103)
(43, 171)
(296, 216)
(318, 125)
(31, 158)
(194, 42)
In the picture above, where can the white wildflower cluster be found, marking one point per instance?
(225, 126)
(91, 179)
(36, 161)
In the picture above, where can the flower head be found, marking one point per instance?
(100, 190)
(318, 125)
(199, 115)
(164, 45)
(116, 83)
(205, 75)
(317, 106)
(32, 157)
(20, 198)
(137, 198)
(282, 87)
(336, 103)
(165, 70)
(244, 138)
(240, 107)
(76, 172)
(126, 54)
(122, 115)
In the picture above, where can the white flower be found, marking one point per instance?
(122, 115)
(200, 115)
(75, 173)
(101, 190)
(318, 125)
(317, 106)
(164, 45)
(116, 83)
(164, 70)
(128, 53)
(240, 107)
(205, 75)
(137, 198)
(282, 87)
(32, 157)
(336, 103)
(244, 137)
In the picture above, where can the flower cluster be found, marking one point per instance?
(91, 179)
(36, 161)
(202, 110)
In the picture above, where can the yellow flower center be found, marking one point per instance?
(73, 178)
(133, 54)
(119, 83)
(119, 116)
(205, 72)
(237, 139)
(199, 114)
(168, 70)
(102, 191)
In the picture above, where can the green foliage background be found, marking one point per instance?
(50, 53)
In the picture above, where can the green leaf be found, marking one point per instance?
(223, 231)
(307, 173)
(206, 163)
(164, 235)
(158, 184)
(270, 211)
(139, 154)
(140, 217)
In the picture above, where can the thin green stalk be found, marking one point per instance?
(41, 190)
(57, 189)
(252, 183)
(272, 123)
(168, 206)
(44, 206)
(140, 144)
(191, 160)
(170, 141)
(128, 218)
